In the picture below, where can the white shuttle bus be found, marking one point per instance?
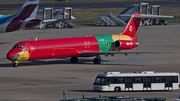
(137, 81)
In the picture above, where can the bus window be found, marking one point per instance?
(157, 79)
(163, 79)
(121, 80)
(175, 79)
(153, 79)
(113, 80)
(137, 79)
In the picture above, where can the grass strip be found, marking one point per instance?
(88, 16)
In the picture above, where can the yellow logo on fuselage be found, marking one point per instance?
(23, 56)
(121, 37)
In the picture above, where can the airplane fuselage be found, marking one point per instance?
(77, 46)
(68, 47)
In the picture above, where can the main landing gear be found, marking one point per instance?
(74, 60)
(15, 63)
(96, 60)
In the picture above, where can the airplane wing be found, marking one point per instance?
(30, 20)
(118, 52)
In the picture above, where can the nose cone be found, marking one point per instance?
(11, 56)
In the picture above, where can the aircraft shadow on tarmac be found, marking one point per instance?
(67, 61)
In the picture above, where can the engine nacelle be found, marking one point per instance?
(123, 44)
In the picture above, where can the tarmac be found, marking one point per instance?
(45, 81)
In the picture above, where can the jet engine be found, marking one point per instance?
(123, 44)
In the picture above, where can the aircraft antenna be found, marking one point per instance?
(36, 39)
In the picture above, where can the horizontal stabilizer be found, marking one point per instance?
(152, 16)
(147, 16)
(51, 20)
(25, 21)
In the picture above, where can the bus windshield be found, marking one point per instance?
(100, 81)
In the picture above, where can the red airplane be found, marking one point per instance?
(75, 47)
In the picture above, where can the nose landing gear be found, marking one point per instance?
(15, 63)
(97, 60)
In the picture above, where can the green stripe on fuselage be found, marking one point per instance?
(105, 42)
(15, 58)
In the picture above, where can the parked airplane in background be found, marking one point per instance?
(75, 47)
(24, 18)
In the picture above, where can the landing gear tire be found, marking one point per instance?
(74, 60)
(15, 65)
(97, 61)
(117, 89)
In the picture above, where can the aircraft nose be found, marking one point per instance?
(11, 56)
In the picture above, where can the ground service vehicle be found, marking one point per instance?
(160, 22)
(137, 81)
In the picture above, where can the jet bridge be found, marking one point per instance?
(56, 18)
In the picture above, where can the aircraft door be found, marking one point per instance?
(28, 46)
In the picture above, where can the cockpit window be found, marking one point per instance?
(19, 47)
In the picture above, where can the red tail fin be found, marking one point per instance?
(132, 25)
